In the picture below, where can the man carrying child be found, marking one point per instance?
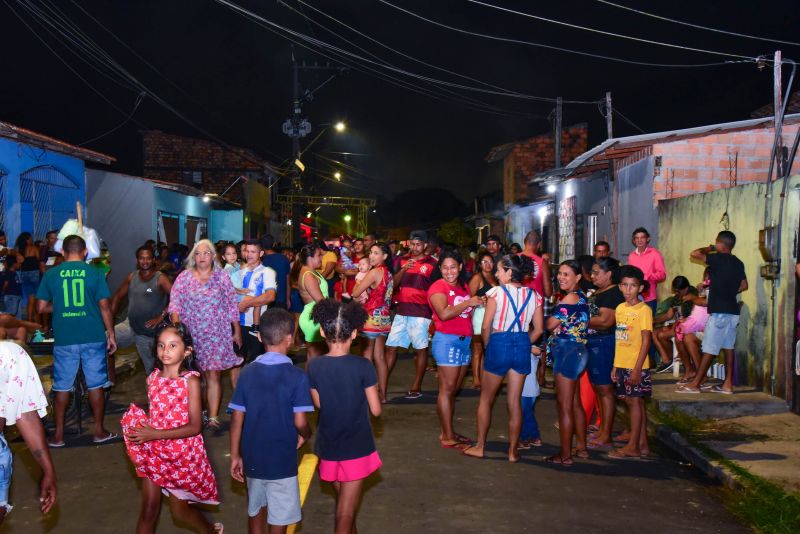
(727, 280)
(268, 425)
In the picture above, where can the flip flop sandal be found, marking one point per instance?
(56, 445)
(582, 453)
(559, 460)
(109, 437)
(412, 395)
(456, 445)
(707, 387)
(536, 443)
(463, 439)
(522, 446)
(597, 446)
(690, 391)
(464, 452)
(617, 455)
(718, 389)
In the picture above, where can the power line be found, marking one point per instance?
(558, 48)
(150, 65)
(323, 44)
(605, 32)
(398, 52)
(489, 108)
(698, 26)
(66, 63)
(136, 104)
(626, 119)
(97, 54)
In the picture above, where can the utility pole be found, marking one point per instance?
(557, 133)
(777, 116)
(609, 116)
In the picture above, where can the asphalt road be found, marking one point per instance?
(421, 487)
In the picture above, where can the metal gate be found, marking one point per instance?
(48, 198)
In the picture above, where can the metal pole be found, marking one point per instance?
(557, 134)
(777, 117)
(609, 116)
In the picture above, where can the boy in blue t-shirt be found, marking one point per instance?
(268, 425)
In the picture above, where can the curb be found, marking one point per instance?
(678, 444)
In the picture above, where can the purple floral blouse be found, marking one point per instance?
(208, 310)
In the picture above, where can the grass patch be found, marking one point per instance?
(762, 505)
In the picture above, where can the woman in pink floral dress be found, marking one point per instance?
(203, 298)
(166, 446)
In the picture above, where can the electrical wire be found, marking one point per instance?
(398, 52)
(317, 42)
(462, 98)
(67, 65)
(697, 26)
(98, 55)
(605, 32)
(626, 119)
(489, 107)
(357, 67)
(150, 65)
(136, 104)
(560, 49)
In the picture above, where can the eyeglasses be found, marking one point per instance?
(486, 262)
(204, 253)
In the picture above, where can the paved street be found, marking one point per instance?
(421, 488)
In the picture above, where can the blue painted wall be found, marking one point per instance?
(226, 225)
(17, 158)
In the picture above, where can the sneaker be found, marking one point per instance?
(663, 367)
(38, 337)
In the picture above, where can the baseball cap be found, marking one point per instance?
(422, 235)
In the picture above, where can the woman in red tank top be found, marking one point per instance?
(379, 285)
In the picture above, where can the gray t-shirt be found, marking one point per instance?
(145, 301)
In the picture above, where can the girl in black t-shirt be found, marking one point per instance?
(603, 304)
(344, 389)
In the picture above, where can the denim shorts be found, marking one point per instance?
(720, 333)
(451, 350)
(29, 280)
(569, 358)
(506, 351)
(601, 359)
(407, 331)
(281, 498)
(91, 357)
(6, 467)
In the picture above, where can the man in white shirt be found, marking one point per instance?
(262, 289)
(23, 403)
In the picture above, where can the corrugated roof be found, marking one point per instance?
(11, 131)
(658, 137)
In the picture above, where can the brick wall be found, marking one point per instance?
(536, 155)
(715, 161)
(167, 156)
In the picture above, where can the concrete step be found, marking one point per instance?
(707, 405)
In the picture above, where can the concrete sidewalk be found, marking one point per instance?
(754, 430)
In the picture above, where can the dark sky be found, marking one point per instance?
(234, 78)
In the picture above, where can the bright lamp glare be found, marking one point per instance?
(347, 217)
(551, 188)
(340, 126)
(337, 175)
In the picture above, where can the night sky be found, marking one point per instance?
(232, 78)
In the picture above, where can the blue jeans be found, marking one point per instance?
(91, 357)
(530, 428)
(6, 467)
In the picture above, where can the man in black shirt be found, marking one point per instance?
(727, 277)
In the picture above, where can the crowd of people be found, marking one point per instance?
(501, 315)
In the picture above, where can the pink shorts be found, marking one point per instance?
(349, 470)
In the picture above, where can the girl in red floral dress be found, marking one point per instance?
(166, 447)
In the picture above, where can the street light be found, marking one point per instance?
(347, 217)
(340, 126)
(338, 176)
